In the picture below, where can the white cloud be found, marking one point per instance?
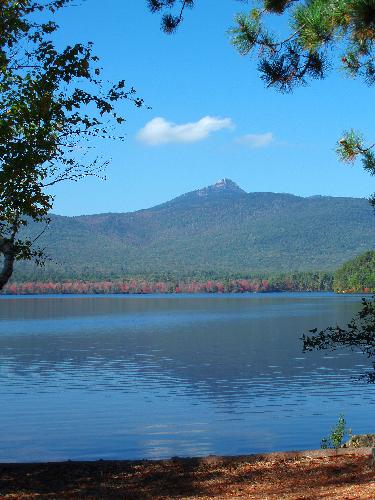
(160, 131)
(256, 141)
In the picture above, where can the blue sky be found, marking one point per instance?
(263, 140)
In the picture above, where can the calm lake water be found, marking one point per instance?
(88, 377)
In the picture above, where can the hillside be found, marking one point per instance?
(357, 275)
(220, 228)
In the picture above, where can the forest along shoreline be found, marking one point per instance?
(170, 283)
(342, 473)
(354, 276)
(133, 287)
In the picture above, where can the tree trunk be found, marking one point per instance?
(9, 253)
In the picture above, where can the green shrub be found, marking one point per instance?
(337, 435)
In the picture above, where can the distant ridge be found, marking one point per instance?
(218, 228)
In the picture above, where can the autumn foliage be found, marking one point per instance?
(143, 286)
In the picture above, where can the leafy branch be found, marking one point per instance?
(51, 102)
(169, 21)
(359, 334)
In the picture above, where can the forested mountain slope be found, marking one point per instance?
(221, 229)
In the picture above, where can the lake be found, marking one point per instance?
(112, 377)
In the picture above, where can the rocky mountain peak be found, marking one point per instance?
(227, 184)
(222, 185)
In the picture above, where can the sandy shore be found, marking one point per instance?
(348, 474)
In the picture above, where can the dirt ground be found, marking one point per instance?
(350, 476)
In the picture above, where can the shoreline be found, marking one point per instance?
(199, 292)
(294, 281)
(183, 294)
(168, 294)
(345, 473)
(20, 292)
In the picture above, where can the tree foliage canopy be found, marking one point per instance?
(50, 100)
(356, 275)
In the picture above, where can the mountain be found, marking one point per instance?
(219, 228)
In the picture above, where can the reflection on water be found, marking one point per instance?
(131, 377)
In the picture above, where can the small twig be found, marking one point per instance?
(40, 234)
